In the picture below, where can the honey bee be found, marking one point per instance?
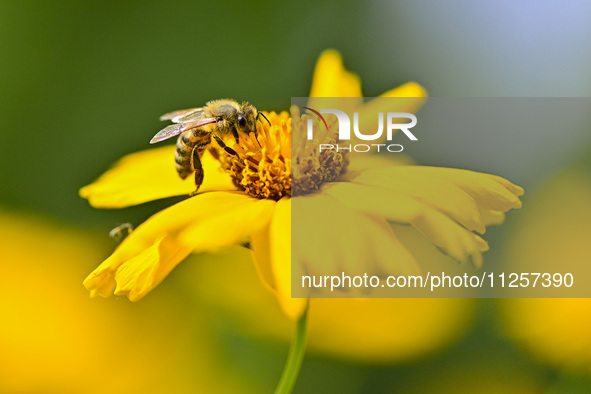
(196, 126)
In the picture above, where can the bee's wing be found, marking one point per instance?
(179, 114)
(190, 117)
(176, 129)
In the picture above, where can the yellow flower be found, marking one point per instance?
(53, 340)
(552, 236)
(372, 330)
(446, 205)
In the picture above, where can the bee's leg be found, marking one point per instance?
(214, 152)
(235, 134)
(224, 146)
(197, 167)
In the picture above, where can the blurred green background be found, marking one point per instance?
(83, 83)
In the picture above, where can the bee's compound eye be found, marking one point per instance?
(241, 121)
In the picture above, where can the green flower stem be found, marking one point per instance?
(295, 356)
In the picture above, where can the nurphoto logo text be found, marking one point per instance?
(392, 124)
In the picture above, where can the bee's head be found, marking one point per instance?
(247, 119)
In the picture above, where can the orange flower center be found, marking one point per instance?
(262, 165)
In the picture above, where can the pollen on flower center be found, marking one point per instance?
(262, 165)
(313, 166)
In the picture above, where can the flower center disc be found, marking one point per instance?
(262, 166)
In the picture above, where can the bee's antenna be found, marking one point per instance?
(256, 135)
(263, 115)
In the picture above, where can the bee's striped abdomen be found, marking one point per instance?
(185, 144)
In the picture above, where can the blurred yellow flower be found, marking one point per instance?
(445, 205)
(372, 330)
(55, 340)
(554, 228)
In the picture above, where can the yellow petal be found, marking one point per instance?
(260, 243)
(331, 79)
(408, 98)
(142, 273)
(280, 235)
(389, 252)
(329, 238)
(138, 275)
(491, 218)
(150, 175)
(409, 89)
(454, 239)
(101, 281)
(180, 216)
(461, 194)
(428, 188)
(233, 225)
(149, 244)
